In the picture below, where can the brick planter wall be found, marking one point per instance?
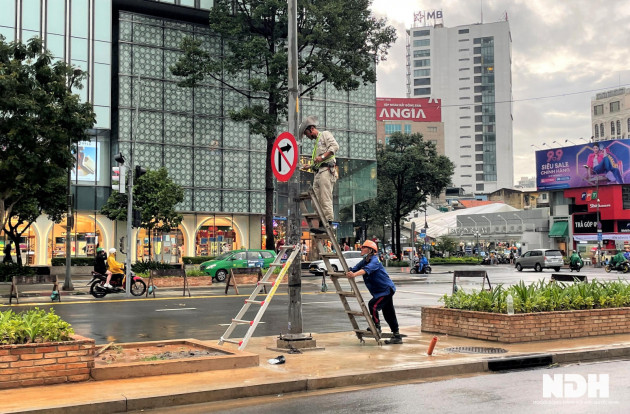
(177, 281)
(46, 363)
(525, 327)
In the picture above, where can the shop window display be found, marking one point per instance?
(27, 246)
(165, 247)
(216, 236)
(84, 239)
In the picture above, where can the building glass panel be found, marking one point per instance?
(31, 12)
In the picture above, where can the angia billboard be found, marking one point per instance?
(408, 109)
(597, 163)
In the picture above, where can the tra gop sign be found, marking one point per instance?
(284, 156)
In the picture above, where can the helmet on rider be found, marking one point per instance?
(112, 250)
(371, 245)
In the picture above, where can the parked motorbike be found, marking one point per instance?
(98, 290)
(415, 269)
(621, 267)
(576, 266)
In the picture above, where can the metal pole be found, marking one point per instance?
(599, 231)
(67, 284)
(131, 170)
(294, 222)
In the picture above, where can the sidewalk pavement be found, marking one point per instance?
(344, 362)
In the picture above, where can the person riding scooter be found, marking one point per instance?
(114, 267)
(617, 260)
(100, 263)
(576, 262)
(423, 263)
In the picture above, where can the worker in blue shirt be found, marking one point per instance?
(381, 288)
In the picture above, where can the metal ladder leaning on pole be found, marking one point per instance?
(318, 214)
(238, 320)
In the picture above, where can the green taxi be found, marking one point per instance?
(219, 267)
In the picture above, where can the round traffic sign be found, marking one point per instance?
(284, 156)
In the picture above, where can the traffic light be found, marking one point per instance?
(140, 172)
(118, 179)
(137, 218)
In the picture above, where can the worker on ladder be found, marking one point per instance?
(323, 164)
(381, 288)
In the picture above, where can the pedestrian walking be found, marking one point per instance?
(7, 253)
(381, 288)
(323, 164)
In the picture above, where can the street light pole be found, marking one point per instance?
(426, 236)
(506, 223)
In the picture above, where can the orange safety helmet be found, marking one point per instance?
(370, 244)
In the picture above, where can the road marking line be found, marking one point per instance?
(228, 324)
(175, 309)
(420, 293)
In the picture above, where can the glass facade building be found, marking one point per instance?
(127, 47)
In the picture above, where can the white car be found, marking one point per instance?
(352, 257)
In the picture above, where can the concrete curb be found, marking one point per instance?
(480, 366)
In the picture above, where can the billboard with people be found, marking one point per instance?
(596, 163)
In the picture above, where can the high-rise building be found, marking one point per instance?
(127, 47)
(469, 69)
(611, 114)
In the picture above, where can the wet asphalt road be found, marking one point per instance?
(514, 392)
(208, 312)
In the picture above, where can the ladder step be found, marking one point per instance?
(305, 196)
(330, 255)
(276, 264)
(346, 293)
(364, 332)
(336, 274)
(242, 322)
(311, 215)
(266, 283)
(255, 302)
(231, 341)
(355, 313)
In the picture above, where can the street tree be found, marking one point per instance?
(155, 196)
(50, 200)
(41, 122)
(411, 170)
(339, 42)
(446, 244)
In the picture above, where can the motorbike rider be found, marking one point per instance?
(114, 266)
(423, 263)
(100, 263)
(576, 260)
(617, 260)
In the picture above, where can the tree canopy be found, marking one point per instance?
(155, 196)
(409, 170)
(41, 121)
(339, 42)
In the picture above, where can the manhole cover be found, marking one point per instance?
(476, 350)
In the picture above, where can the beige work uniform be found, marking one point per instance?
(325, 177)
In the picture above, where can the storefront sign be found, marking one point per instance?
(623, 226)
(408, 109)
(589, 165)
(587, 223)
(284, 156)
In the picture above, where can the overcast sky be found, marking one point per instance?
(563, 53)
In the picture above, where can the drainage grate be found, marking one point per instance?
(475, 350)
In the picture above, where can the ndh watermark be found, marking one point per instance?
(576, 386)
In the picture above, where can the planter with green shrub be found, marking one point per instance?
(542, 311)
(39, 348)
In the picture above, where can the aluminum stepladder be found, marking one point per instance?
(344, 294)
(238, 320)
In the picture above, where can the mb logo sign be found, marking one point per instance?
(575, 386)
